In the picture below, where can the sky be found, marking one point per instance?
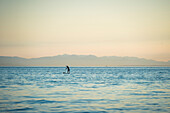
(38, 28)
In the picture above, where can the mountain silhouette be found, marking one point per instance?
(80, 60)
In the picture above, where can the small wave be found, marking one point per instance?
(166, 97)
(38, 102)
(152, 104)
(160, 110)
(58, 107)
(142, 94)
(158, 92)
(147, 83)
(3, 86)
(92, 100)
(32, 96)
(21, 109)
(42, 101)
(123, 108)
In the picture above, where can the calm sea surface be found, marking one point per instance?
(85, 89)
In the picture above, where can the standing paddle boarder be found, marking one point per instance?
(67, 70)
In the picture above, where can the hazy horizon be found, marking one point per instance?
(81, 60)
(81, 55)
(38, 28)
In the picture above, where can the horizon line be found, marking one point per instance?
(97, 66)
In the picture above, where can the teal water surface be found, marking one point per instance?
(85, 89)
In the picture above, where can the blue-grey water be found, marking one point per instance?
(85, 89)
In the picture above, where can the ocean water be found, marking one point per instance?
(85, 89)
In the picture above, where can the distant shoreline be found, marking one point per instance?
(81, 61)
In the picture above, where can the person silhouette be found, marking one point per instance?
(68, 70)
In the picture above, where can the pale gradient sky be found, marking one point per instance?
(36, 28)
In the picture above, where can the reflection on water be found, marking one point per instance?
(86, 89)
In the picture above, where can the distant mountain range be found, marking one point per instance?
(80, 60)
